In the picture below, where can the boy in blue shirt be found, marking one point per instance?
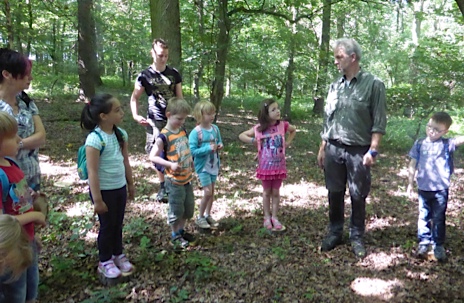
(432, 159)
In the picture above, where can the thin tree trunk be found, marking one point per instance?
(198, 74)
(9, 23)
(290, 69)
(223, 39)
(18, 28)
(321, 80)
(30, 22)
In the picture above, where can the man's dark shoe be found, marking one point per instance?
(358, 249)
(162, 195)
(422, 251)
(330, 242)
(440, 253)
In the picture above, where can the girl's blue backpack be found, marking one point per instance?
(82, 159)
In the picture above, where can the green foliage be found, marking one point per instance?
(202, 266)
(279, 252)
(136, 227)
(107, 295)
(178, 295)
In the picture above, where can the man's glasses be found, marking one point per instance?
(434, 129)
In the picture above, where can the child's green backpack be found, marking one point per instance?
(82, 159)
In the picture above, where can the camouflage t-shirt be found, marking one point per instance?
(160, 87)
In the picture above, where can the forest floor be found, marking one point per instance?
(242, 262)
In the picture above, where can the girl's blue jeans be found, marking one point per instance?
(431, 226)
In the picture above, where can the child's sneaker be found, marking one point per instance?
(212, 222)
(109, 269)
(179, 242)
(422, 251)
(202, 223)
(123, 264)
(162, 195)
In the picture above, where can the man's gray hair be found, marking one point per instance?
(350, 45)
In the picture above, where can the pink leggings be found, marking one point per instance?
(272, 183)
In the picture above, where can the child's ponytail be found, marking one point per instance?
(87, 122)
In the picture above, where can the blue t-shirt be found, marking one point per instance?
(205, 160)
(111, 171)
(433, 171)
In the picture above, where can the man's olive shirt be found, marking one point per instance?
(355, 110)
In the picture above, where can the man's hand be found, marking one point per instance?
(368, 159)
(141, 120)
(321, 157)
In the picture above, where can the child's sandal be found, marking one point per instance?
(267, 223)
(277, 225)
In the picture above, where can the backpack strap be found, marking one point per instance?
(103, 144)
(5, 182)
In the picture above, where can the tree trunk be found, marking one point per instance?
(30, 23)
(321, 80)
(290, 69)
(18, 28)
(223, 39)
(8, 23)
(418, 10)
(289, 82)
(87, 63)
(198, 74)
(165, 24)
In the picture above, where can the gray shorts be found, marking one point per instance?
(345, 163)
(181, 201)
(153, 133)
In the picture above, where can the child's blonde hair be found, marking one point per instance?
(15, 248)
(8, 126)
(178, 106)
(203, 107)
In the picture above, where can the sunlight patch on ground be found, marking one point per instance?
(373, 287)
(79, 209)
(381, 261)
(91, 236)
(382, 223)
(421, 276)
(149, 207)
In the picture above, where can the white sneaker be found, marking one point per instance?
(123, 264)
(202, 223)
(109, 269)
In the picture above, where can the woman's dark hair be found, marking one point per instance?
(18, 65)
(90, 116)
(263, 114)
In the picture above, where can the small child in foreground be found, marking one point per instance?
(432, 159)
